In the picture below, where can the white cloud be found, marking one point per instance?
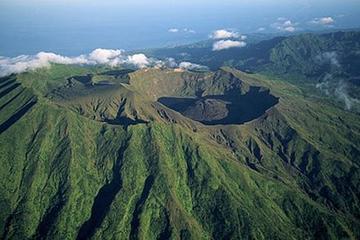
(223, 33)
(166, 63)
(111, 57)
(185, 30)
(173, 30)
(284, 25)
(192, 66)
(260, 29)
(43, 59)
(226, 44)
(327, 20)
(323, 21)
(105, 56)
(287, 23)
(139, 60)
(289, 29)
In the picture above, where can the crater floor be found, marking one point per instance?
(231, 108)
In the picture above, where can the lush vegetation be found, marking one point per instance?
(88, 153)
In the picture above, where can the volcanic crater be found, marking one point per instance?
(211, 98)
(230, 108)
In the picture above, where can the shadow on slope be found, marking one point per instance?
(231, 108)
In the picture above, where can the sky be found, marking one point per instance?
(80, 26)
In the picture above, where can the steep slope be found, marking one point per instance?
(291, 173)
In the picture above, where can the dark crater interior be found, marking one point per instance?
(230, 108)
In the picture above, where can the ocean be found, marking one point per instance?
(73, 29)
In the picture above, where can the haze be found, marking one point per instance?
(75, 27)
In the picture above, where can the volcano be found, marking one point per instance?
(104, 153)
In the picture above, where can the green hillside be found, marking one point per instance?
(325, 64)
(295, 55)
(92, 153)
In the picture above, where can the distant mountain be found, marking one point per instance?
(92, 152)
(297, 54)
(328, 61)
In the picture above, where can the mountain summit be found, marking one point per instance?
(93, 153)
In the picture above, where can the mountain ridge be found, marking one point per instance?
(324, 64)
(168, 176)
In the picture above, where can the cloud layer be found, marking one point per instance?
(110, 57)
(25, 63)
(226, 44)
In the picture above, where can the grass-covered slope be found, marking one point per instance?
(292, 173)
